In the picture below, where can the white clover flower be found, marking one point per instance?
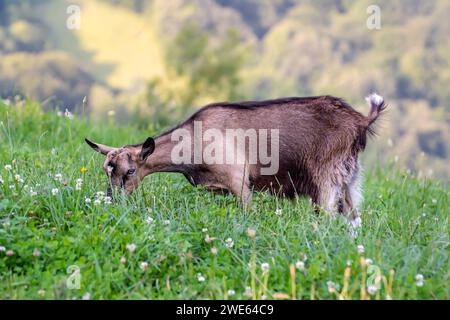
(214, 250)
(419, 280)
(131, 247)
(166, 222)
(149, 220)
(369, 261)
(248, 292)
(300, 265)
(263, 297)
(348, 263)
(144, 266)
(229, 243)
(55, 191)
(123, 260)
(372, 289)
(79, 184)
(68, 114)
(9, 253)
(434, 201)
(58, 177)
(87, 200)
(231, 292)
(86, 296)
(100, 194)
(200, 277)
(8, 167)
(18, 178)
(205, 230)
(251, 232)
(11, 186)
(332, 287)
(41, 292)
(278, 212)
(107, 200)
(2, 249)
(53, 151)
(97, 201)
(36, 253)
(360, 249)
(149, 210)
(208, 239)
(265, 267)
(111, 113)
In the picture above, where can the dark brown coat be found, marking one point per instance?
(320, 139)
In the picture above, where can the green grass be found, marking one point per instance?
(404, 233)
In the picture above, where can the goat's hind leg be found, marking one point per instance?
(349, 203)
(327, 197)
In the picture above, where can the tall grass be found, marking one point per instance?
(183, 233)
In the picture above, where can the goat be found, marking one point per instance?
(314, 147)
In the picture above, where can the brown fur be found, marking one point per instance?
(320, 139)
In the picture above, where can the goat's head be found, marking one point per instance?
(124, 166)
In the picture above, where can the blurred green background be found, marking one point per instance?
(154, 62)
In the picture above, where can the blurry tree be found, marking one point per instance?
(199, 69)
(27, 36)
(211, 69)
(50, 76)
(136, 5)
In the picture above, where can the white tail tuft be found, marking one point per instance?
(375, 99)
(377, 105)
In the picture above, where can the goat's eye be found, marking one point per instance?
(131, 172)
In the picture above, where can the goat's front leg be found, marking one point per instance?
(242, 192)
(239, 185)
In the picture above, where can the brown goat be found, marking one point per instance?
(314, 143)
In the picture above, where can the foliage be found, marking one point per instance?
(183, 233)
(197, 70)
(67, 83)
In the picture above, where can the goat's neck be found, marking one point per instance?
(160, 160)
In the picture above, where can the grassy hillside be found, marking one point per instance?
(171, 240)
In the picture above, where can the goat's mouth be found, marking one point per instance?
(116, 190)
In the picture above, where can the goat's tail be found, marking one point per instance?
(377, 105)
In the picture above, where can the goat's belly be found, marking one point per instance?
(279, 184)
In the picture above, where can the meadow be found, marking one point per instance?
(60, 238)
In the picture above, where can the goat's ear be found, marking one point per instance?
(147, 148)
(99, 147)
